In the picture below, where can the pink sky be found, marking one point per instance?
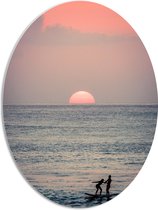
(64, 51)
(87, 17)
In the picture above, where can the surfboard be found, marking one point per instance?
(92, 195)
(101, 196)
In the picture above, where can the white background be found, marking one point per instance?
(15, 192)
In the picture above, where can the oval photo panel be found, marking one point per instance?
(80, 104)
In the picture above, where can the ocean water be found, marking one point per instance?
(61, 150)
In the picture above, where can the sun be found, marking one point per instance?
(81, 97)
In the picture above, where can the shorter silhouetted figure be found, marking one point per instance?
(98, 186)
(108, 181)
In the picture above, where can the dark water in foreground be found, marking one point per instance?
(61, 150)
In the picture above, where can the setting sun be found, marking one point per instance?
(82, 97)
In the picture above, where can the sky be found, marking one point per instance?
(80, 46)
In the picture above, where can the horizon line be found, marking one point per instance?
(119, 104)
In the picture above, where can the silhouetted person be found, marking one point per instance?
(98, 186)
(108, 181)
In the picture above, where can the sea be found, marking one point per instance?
(62, 150)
